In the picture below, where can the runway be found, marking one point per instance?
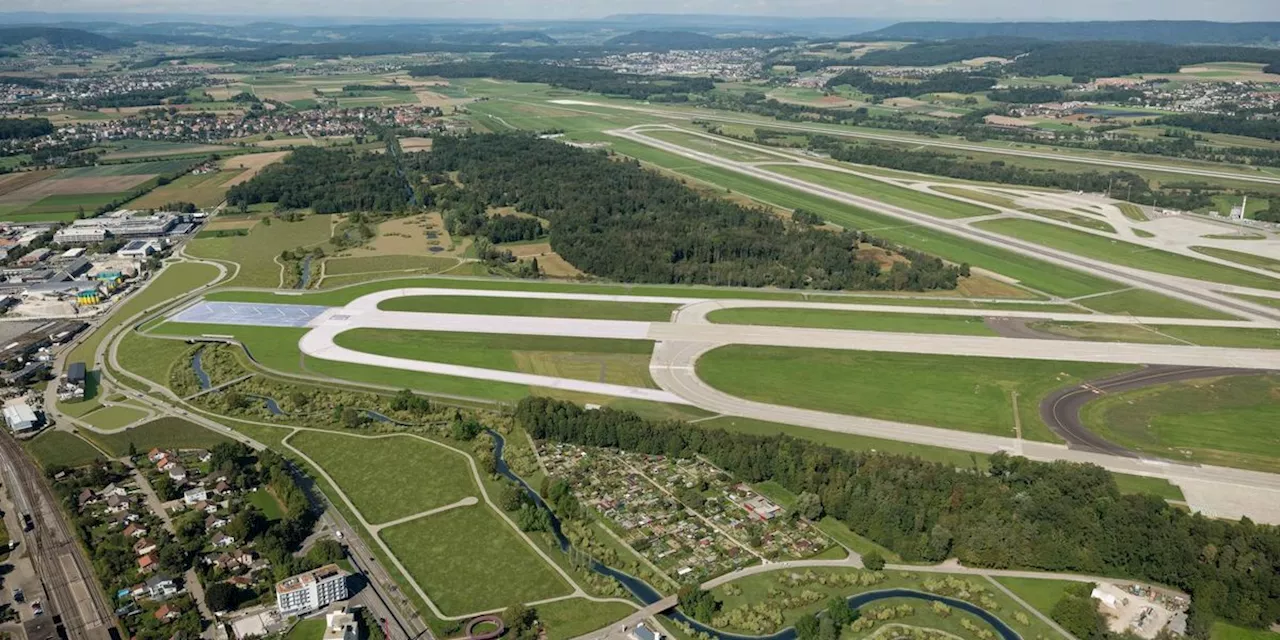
(678, 345)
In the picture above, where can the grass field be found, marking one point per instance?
(456, 556)
(571, 618)
(390, 478)
(1248, 259)
(953, 392)
(532, 307)
(1126, 253)
(207, 190)
(256, 252)
(890, 194)
(311, 629)
(131, 149)
(1203, 336)
(616, 361)
(267, 504)
(61, 449)
(1221, 421)
(854, 320)
(721, 148)
(1040, 594)
(165, 433)
(367, 264)
(1227, 631)
(1141, 302)
(114, 418)
(151, 358)
(1076, 219)
(1132, 211)
(981, 196)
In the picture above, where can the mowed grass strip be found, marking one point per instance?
(165, 433)
(1227, 421)
(534, 307)
(853, 320)
(1040, 594)
(114, 417)
(390, 478)
(1126, 253)
(597, 359)
(1140, 302)
(1249, 259)
(368, 264)
(890, 194)
(1173, 334)
(469, 560)
(1076, 219)
(952, 392)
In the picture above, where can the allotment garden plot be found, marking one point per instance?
(689, 518)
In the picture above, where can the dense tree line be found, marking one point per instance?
(1028, 95)
(376, 87)
(1120, 184)
(328, 181)
(619, 221)
(58, 37)
(1106, 59)
(24, 128)
(22, 81)
(1267, 128)
(954, 82)
(135, 98)
(931, 54)
(1166, 31)
(1057, 516)
(577, 78)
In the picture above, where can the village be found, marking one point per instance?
(686, 516)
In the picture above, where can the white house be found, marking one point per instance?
(193, 496)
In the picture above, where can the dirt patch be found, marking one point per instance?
(71, 186)
(415, 144)
(251, 164)
(554, 266)
(433, 99)
(903, 102)
(981, 286)
(885, 259)
(219, 224)
(16, 181)
(835, 101)
(401, 236)
(529, 250)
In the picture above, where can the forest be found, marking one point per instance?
(1166, 31)
(951, 82)
(1056, 516)
(619, 221)
(328, 181)
(930, 54)
(577, 78)
(135, 98)
(1267, 128)
(24, 128)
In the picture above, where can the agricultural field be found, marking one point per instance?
(205, 191)
(63, 194)
(533, 307)
(455, 556)
(114, 418)
(134, 149)
(1126, 254)
(61, 449)
(164, 433)
(390, 478)
(1222, 421)
(623, 362)
(952, 392)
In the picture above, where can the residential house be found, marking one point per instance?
(177, 473)
(144, 547)
(114, 490)
(160, 587)
(86, 497)
(192, 496)
(166, 613)
(202, 455)
(117, 504)
(135, 530)
(166, 462)
(148, 563)
(222, 488)
(243, 582)
(222, 540)
(340, 625)
(213, 523)
(155, 455)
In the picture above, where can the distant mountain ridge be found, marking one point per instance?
(58, 37)
(1161, 31)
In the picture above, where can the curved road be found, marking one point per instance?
(1061, 410)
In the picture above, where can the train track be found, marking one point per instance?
(74, 601)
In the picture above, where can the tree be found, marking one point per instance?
(697, 602)
(873, 561)
(221, 596)
(807, 627)
(247, 525)
(511, 497)
(521, 622)
(326, 551)
(839, 612)
(809, 505)
(465, 429)
(353, 418)
(1078, 613)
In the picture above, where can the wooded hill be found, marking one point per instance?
(1163, 31)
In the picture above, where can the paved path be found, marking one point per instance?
(468, 501)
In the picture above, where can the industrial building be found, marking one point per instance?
(312, 590)
(121, 224)
(20, 418)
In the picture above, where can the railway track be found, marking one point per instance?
(74, 601)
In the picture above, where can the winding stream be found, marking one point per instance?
(198, 367)
(647, 595)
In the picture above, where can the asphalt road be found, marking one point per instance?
(1061, 410)
(1193, 291)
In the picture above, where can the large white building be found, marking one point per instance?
(121, 224)
(312, 590)
(20, 417)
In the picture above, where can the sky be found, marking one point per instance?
(967, 10)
